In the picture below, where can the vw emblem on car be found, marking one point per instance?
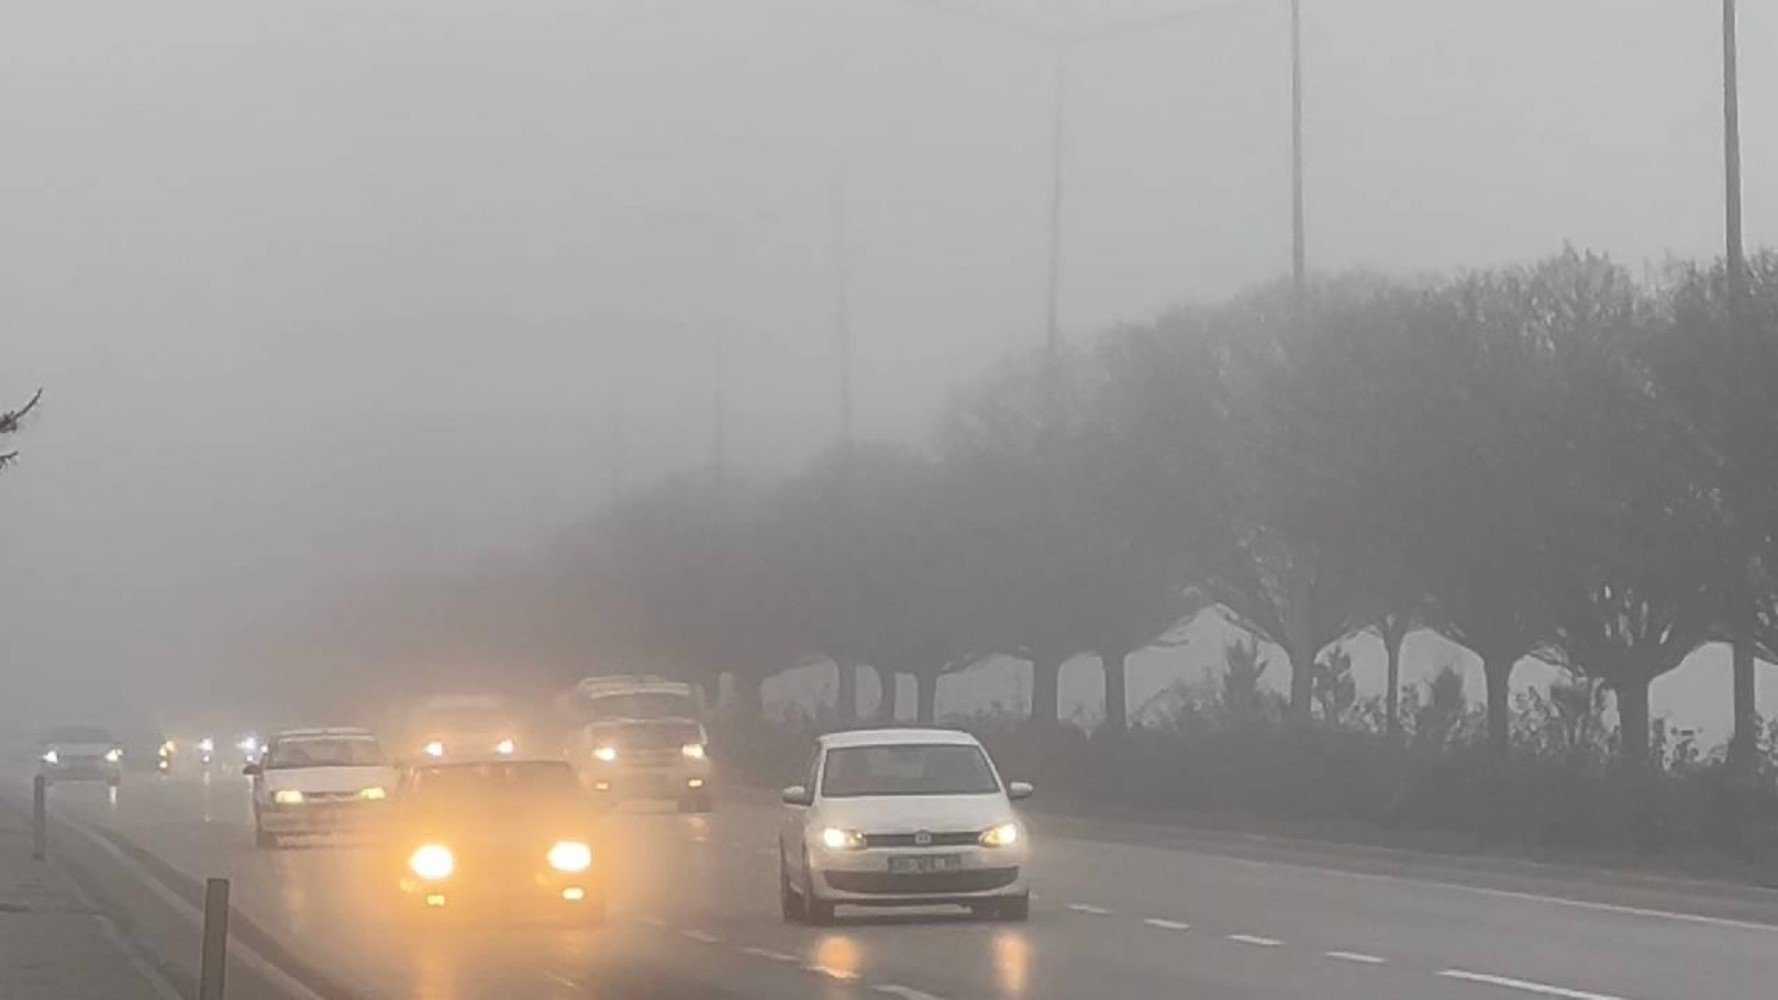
(922, 838)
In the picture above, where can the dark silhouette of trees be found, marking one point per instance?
(10, 421)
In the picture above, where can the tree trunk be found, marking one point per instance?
(1117, 697)
(846, 699)
(1632, 721)
(1744, 743)
(1046, 697)
(1392, 640)
(749, 699)
(925, 698)
(1302, 678)
(1498, 671)
(888, 702)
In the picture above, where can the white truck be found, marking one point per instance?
(640, 737)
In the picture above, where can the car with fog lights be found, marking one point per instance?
(462, 727)
(631, 759)
(80, 753)
(902, 817)
(318, 781)
(489, 837)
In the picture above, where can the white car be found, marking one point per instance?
(318, 781)
(902, 817)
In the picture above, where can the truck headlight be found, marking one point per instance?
(51, 757)
(288, 797)
(113, 755)
(693, 750)
(374, 793)
(606, 754)
(1004, 835)
(570, 856)
(434, 749)
(505, 748)
(836, 839)
(432, 862)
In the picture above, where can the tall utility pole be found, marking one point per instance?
(1743, 743)
(1299, 254)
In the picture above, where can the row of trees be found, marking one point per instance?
(1559, 461)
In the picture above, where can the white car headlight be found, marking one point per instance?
(693, 750)
(1004, 835)
(51, 757)
(207, 745)
(288, 797)
(570, 856)
(606, 754)
(505, 748)
(835, 839)
(432, 862)
(374, 792)
(113, 755)
(434, 749)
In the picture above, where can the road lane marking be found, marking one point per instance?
(1541, 989)
(560, 980)
(1097, 911)
(1355, 956)
(904, 992)
(831, 972)
(1263, 942)
(703, 937)
(1167, 925)
(776, 956)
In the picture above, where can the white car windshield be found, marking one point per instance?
(324, 753)
(907, 769)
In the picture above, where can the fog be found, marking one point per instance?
(329, 296)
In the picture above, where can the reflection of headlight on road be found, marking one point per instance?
(693, 750)
(606, 754)
(113, 755)
(434, 749)
(432, 862)
(51, 757)
(287, 797)
(374, 792)
(505, 748)
(835, 839)
(570, 856)
(1004, 835)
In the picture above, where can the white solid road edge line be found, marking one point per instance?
(1097, 911)
(180, 905)
(1263, 942)
(1167, 925)
(1541, 989)
(1355, 956)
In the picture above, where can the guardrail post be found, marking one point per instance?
(39, 825)
(215, 957)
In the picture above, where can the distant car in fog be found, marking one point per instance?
(322, 780)
(640, 737)
(80, 753)
(461, 727)
(902, 817)
(483, 837)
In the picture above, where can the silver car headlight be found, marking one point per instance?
(1004, 835)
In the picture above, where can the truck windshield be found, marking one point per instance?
(642, 705)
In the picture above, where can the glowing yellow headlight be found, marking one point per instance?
(505, 748)
(432, 862)
(434, 749)
(114, 755)
(287, 797)
(374, 792)
(835, 839)
(1004, 835)
(606, 754)
(570, 856)
(693, 750)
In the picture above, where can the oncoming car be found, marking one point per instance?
(318, 781)
(627, 759)
(488, 836)
(80, 753)
(902, 817)
(463, 727)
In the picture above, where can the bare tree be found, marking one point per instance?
(10, 421)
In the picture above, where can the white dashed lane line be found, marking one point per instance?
(767, 953)
(904, 992)
(1167, 925)
(560, 980)
(704, 937)
(1541, 989)
(1262, 942)
(831, 972)
(1355, 956)
(1097, 911)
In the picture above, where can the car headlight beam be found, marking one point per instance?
(432, 862)
(606, 754)
(374, 793)
(114, 755)
(693, 750)
(434, 749)
(51, 757)
(570, 856)
(288, 797)
(835, 839)
(505, 748)
(1004, 835)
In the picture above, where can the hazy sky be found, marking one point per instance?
(325, 291)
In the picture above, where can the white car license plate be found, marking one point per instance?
(924, 864)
